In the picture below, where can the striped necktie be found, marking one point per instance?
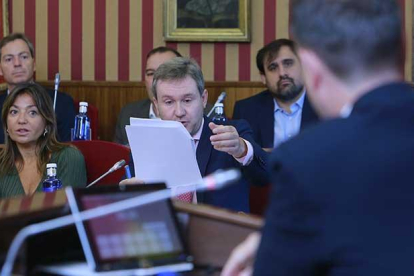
(188, 197)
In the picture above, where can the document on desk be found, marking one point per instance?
(163, 151)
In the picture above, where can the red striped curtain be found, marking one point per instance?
(4, 23)
(108, 39)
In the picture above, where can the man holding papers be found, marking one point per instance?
(179, 95)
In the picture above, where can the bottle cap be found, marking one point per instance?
(83, 104)
(51, 165)
(219, 105)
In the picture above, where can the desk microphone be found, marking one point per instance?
(220, 99)
(217, 180)
(57, 82)
(115, 167)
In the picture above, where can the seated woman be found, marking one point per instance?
(30, 129)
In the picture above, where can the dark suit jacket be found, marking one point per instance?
(342, 196)
(138, 109)
(236, 196)
(258, 110)
(65, 114)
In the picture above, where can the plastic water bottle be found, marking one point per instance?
(82, 128)
(218, 117)
(51, 183)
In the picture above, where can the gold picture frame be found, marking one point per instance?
(4, 25)
(207, 20)
(5, 17)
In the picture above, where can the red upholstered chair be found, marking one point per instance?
(100, 156)
(93, 116)
(259, 197)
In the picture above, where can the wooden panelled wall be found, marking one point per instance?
(110, 97)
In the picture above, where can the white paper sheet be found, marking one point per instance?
(163, 151)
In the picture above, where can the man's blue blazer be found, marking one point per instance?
(234, 197)
(342, 193)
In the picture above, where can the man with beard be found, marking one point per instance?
(281, 111)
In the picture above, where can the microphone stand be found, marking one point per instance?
(115, 167)
(57, 82)
(220, 99)
(99, 178)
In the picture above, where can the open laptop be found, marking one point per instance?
(145, 240)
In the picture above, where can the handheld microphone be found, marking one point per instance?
(217, 180)
(220, 99)
(57, 82)
(115, 167)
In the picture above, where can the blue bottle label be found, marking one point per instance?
(82, 127)
(51, 184)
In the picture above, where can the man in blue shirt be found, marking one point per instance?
(281, 111)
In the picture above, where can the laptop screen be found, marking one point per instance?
(140, 237)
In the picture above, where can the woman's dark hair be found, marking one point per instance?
(46, 144)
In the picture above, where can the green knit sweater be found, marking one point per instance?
(71, 171)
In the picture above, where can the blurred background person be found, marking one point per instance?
(143, 108)
(17, 65)
(29, 125)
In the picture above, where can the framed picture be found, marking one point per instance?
(207, 20)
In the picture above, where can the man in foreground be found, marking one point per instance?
(341, 202)
(179, 95)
